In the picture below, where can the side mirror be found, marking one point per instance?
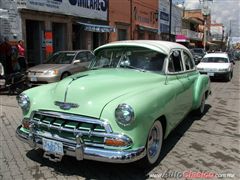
(76, 61)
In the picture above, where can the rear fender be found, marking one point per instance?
(202, 85)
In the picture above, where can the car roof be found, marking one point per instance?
(223, 55)
(161, 46)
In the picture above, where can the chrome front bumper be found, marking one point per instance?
(91, 153)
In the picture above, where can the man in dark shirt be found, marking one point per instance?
(5, 56)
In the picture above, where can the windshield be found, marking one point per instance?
(130, 57)
(61, 58)
(215, 60)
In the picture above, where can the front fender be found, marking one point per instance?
(148, 106)
(202, 85)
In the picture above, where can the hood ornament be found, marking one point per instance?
(65, 105)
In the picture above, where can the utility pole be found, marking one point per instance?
(131, 20)
(205, 33)
(206, 13)
(170, 21)
(229, 34)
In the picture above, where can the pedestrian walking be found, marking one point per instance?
(21, 56)
(5, 56)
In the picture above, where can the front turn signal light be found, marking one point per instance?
(115, 142)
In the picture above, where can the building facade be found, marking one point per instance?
(133, 19)
(120, 17)
(48, 26)
(144, 19)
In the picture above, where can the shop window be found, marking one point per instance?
(141, 35)
(151, 36)
(59, 36)
(122, 34)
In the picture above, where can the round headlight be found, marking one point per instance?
(124, 114)
(23, 102)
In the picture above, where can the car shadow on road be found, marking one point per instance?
(69, 166)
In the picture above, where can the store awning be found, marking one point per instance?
(181, 38)
(97, 27)
(147, 28)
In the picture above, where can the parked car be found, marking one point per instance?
(198, 54)
(217, 65)
(60, 65)
(120, 110)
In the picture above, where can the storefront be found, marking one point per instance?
(89, 34)
(54, 25)
(182, 39)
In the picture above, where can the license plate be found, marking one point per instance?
(52, 146)
(33, 79)
(210, 74)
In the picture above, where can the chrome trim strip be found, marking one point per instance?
(66, 91)
(73, 79)
(92, 153)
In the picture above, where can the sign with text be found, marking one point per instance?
(93, 9)
(49, 42)
(164, 14)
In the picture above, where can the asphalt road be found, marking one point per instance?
(210, 145)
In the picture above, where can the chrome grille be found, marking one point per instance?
(67, 126)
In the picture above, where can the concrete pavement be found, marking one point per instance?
(210, 144)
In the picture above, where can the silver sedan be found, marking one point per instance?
(60, 65)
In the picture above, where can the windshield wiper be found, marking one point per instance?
(132, 67)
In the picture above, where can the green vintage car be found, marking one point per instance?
(119, 111)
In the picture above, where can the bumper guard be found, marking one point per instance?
(81, 152)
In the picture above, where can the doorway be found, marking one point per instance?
(59, 36)
(35, 42)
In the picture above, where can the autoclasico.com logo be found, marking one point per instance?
(188, 174)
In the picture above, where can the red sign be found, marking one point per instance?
(49, 42)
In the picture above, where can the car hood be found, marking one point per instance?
(46, 67)
(93, 90)
(213, 65)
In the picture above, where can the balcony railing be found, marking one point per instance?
(192, 34)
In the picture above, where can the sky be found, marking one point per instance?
(222, 11)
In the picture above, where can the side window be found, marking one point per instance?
(90, 56)
(189, 65)
(175, 62)
(82, 56)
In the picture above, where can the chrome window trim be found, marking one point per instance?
(167, 63)
(190, 70)
(180, 72)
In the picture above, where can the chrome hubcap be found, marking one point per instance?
(154, 142)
